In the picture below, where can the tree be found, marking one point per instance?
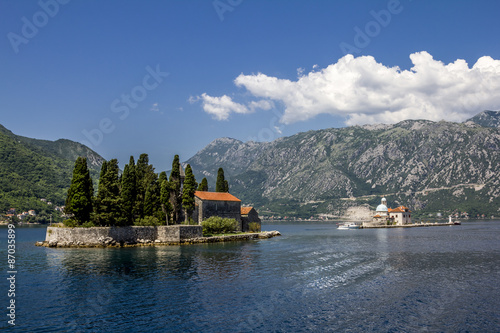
(152, 198)
(80, 193)
(145, 177)
(175, 189)
(129, 191)
(188, 193)
(165, 204)
(108, 206)
(203, 185)
(221, 184)
(140, 172)
(166, 207)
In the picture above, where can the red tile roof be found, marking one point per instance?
(216, 196)
(400, 209)
(245, 210)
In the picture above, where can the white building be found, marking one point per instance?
(401, 215)
(388, 216)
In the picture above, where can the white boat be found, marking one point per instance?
(346, 225)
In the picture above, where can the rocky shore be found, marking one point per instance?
(110, 242)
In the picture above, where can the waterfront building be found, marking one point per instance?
(249, 215)
(390, 216)
(400, 215)
(224, 205)
(220, 204)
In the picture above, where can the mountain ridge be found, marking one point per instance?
(31, 169)
(315, 172)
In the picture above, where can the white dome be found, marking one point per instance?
(382, 208)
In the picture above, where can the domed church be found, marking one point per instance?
(388, 216)
(382, 208)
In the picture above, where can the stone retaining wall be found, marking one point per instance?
(106, 236)
(165, 235)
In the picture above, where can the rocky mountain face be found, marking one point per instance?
(428, 166)
(487, 119)
(31, 169)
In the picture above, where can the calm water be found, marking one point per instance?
(314, 278)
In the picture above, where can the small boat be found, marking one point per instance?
(346, 225)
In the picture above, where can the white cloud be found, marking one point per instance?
(262, 104)
(220, 107)
(155, 107)
(365, 91)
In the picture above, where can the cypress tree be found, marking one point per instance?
(188, 193)
(80, 193)
(141, 170)
(203, 185)
(220, 185)
(160, 212)
(108, 210)
(129, 191)
(226, 186)
(175, 189)
(165, 204)
(152, 198)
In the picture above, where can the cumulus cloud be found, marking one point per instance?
(221, 107)
(365, 91)
(262, 104)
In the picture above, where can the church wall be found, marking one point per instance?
(252, 216)
(224, 209)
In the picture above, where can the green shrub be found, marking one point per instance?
(70, 223)
(218, 225)
(88, 224)
(254, 227)
(147, 221)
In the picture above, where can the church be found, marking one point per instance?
(225, 205)
(390, 216)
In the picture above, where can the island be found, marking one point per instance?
(142, 208)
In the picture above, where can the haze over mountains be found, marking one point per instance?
(428, 166)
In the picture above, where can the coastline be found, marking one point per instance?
(416, 225)
(107, 242)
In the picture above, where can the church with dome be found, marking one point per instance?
(390, 216)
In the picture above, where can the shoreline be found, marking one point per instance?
(415, 225)
(107, 243)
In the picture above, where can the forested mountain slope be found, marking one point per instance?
(31, 169)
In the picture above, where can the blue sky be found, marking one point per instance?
(96, 71)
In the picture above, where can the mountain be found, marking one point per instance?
(32, 169)
(487, 119)
(429, 166)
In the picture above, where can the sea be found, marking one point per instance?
(313, 278)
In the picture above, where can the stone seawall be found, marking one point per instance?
(138, 236)
(120, 236)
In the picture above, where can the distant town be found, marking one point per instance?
(31, 216)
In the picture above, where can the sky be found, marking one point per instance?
(169, 77)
